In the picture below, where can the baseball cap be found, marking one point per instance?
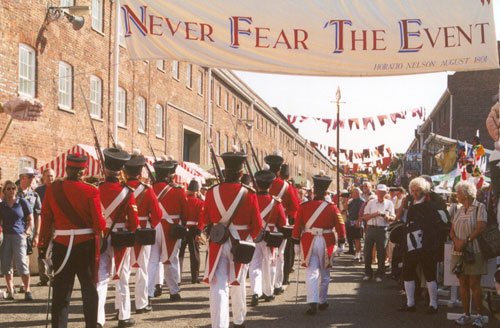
(382, 187)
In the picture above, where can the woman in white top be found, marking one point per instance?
(467, 225)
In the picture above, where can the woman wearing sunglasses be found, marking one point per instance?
(17, 224)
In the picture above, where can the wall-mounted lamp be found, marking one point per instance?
(73, 14)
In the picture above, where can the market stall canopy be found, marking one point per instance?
(184, 173)
(331, 38)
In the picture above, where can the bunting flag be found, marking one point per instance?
(354, 123)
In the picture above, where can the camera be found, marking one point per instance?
(458, 269)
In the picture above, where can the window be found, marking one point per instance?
(159, 121)
(217, 142)
(218, 97)
(247, 112)
(67, 3)
(26, 161)
(226, 143)
(141, 114)
(160, 64)
(26, 71)
(189, 76)
(200, 82)
(234, 105)
(95, 97)
(226, 105)
(65, 86)
(175, 69)
(97, 21)
(121, 119)
(238, 111)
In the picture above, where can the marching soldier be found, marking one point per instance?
(173, 204)
(120, 211)
(149, 216)
(194, 223)
(313, 229)
(263, 265)
(72, 214)
(289, 198)
(233, 211)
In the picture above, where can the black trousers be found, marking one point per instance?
(194, 254)
(289, 259)
(80, 263)
(426, 259)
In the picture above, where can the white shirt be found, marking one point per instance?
(374, 206)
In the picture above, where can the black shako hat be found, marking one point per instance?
(321, 183)
(135, 164)
(165, 167)
(233, 161)
(194, 185)
(285, 171)
(274, 162)
(264, 179)
(115, 158)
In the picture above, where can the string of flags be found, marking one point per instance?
(358, 123)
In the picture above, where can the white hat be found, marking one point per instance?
(27, 171)
(382, 187)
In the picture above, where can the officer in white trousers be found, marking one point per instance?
(264, 262)
(313, 230)
(120, 212)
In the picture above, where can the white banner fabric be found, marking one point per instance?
(331, 38)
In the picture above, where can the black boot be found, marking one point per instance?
(158, 291)
(313, 309)
(255, 300)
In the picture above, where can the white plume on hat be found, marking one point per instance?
(120, 145)
(278, 152)
(321, 173)
(166, 158)
(235, 148)
(266, 167)
(136, 152)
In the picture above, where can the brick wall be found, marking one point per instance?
(90, 52)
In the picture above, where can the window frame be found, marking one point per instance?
(175, 69)
(98, 80)
(27, 80)
(98, 9)
(65, 81)
(160, 67)
(201, 76)
(122, 108)
(159, 123)
(143, 109)
(189, 76)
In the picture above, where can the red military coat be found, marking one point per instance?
(85, 200)
(194, 213)
(246, 214)
(174, 208)
(289, 199)
(329, 219)
(276, 217)
(109, 191)
(148, 209)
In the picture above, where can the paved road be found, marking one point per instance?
(353, 304)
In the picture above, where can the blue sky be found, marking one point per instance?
(367, 96)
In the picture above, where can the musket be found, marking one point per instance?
(254, 156)
(249, 170)
(152, 150)
(97, 146)
(215, 163)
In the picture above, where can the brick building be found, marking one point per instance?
(459, 113)
(174, 106)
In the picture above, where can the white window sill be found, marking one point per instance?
(65, 109)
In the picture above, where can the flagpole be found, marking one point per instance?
(338, 96)
(116, 71)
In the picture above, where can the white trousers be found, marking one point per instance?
(277, 269)
(220, 291)
(317, 277)
(122, 290)
(261, 270)
(172, 271)
(141, 276)
(154, 262)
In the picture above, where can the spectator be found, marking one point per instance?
(468, 224)
(354, 223)
(377, 214)
(203, 191)
(47, 179)
(422, 245)
(368, 194)
(17, 224)
(25, 191)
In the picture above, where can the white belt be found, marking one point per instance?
(240, 226)
(119, 225)
(74, 232)
(191, 223)
(143, 218)
(318, 231)
(170, 218)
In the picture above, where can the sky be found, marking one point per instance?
(362, 97)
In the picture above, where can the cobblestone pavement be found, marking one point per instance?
(352, 304)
